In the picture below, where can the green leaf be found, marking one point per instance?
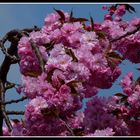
(50, 73)
(120, 94)
(138, 69)
(32, 73)
(61, 14)
(108, 49)
(129, 8)
(72, 84)
(61, 81)
(15, 120)
(101, 34)
(116, 111)
(72, 19)
(113, 59)
(71, 53)
(49, 46)
(92, 23)
(124, 99)
(57, 87)
(71, 14)
(137, 82)
(53, 111)
(78, 131)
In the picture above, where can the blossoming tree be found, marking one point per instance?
(66, 61)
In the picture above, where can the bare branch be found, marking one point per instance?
(9, 85)
(5, 66)
(1, 116)
(2, 98)
(15, 101)
(15, 112)
(35, 28)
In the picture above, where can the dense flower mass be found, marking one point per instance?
(68, 61)
(100, 114)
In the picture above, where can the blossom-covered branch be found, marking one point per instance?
(137, 28)
(67, 61)
(39, 56)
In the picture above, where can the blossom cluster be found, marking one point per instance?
(68, 61)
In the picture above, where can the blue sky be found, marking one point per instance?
(27, 15)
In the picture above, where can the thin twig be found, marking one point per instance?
(125, 35)
(15, 101)
(9, 85)
(35, 28)
(38, 54)
(6, 118)
(68, 128)
(15, 112)
(1, 116)
(13, 58)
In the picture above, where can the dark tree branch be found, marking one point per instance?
(15, 112)
(1, 114)
(2, 98)
(7, 62)
(14, 36)
(11, 57)
(29, 30)
(9, 85)
(15, 101)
